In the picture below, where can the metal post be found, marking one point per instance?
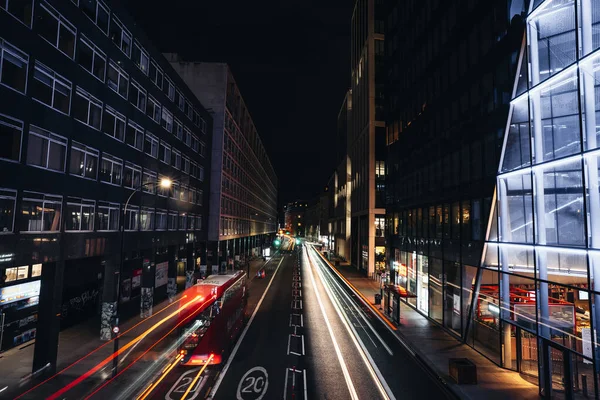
(2, 329)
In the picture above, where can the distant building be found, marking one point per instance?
(317, 218)
(243, 184)
(295, 217)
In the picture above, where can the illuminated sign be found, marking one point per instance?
(6, 257)
(493, 308)
(23, 291)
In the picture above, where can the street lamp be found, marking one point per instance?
(165, 183)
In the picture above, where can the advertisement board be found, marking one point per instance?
(22, 291)
(136, 279)
(162, 274)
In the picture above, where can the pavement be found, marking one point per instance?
(75, 343)
(434, 347)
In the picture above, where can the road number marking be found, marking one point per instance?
(183, 383)
(253, 385)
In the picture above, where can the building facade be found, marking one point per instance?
(447, 107)
(243, 192)
(538, 290)
(295, 217)
(91, 114)
(366, 138)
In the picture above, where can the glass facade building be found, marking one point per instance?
(540, 283)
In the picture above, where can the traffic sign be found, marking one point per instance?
(116, 329)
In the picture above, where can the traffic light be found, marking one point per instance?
(297, 241)
(276, 242)
(287, 232)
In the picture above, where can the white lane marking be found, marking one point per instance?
(295, 338)
(183, 383)
(239, 342)
(361, 313)
(296, 304)
(297, 319)
(255, 382)
(3, 389)
(379, 380)
(304, 383)
(336, 347)
(406, 347)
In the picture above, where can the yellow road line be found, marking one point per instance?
(149, 390)
(197, 377)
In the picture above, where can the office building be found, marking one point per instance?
(243, 191)
(537, 293)
(91, 113)
(366, 138)
(446, 113)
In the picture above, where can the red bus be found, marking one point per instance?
(216, 317)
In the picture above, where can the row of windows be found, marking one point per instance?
(48, 150)
(60, 33)
(55, 91)
(42, 213)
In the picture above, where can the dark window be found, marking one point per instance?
(7, 210)
(51, 89)
(20, 9)
(11, 131)
(13, 66)
(91, 58)
(46, 150)
(56, 29)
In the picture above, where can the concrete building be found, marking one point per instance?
(91, 115)
(366, 138)
(243, 184)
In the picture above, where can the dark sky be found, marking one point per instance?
(290, 59)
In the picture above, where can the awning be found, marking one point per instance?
(399, 290)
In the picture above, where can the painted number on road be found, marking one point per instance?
(182, 385)
(253, 384)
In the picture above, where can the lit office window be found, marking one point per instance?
(46, 149)
(111, 169)
(84, 161)
(149, 182)
(147, 219)
(13, 66)
(80, 215)
(40, 212)
(132, 217)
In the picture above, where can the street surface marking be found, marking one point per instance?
(296, 304)
(253, 385)
(184, 381)
(379, 380)
(338, 352)
(293, 376)
(239, 342)
(296, 320)
(297, 340)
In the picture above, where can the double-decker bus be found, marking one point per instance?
(216, 318)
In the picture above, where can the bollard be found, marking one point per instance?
(584, 387)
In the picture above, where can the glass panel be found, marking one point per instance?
(485, 330)
(452, 296)
(517, 148)
(435, 289)
(517, 213)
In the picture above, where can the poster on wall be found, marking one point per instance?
(22, 291)
(136, 280)
(125, 290)
(161, 275)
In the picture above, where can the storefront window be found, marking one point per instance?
(486, 319)
(423, 284)
(412, 277)
(435, 290)
(452, 289)
(17, 273)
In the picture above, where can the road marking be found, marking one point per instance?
(183, 382)
(237, 345)
(379, 380)
(287, 377)
(295, 338)
(255, 382)
(296, 285)
(296, 320)
(336, 347)
(296, 304)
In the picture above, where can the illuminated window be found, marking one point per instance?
(36, 270)
(17, 273)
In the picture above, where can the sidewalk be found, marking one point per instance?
(436, 346)
(74, 343)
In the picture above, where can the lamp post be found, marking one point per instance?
(164, 183)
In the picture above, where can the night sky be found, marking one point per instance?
(290, 59)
